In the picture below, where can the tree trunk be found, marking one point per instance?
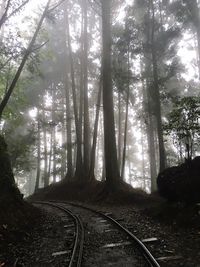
(96, 123)
(111, 163)
(7, 181)
(54, 153)
(46, 178)
(38, 155)
(119, 129)
(63, 132)
(79, 169)
(150, 129)
(194, 13)
(147, 96)
(86, 135)
(157, 102)
(126, 124)
(50, 156)
(69, 133)
(143, 159)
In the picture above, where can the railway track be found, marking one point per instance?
(77, 231)
(112, 243)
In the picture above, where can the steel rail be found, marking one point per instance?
(146, 253)
(80, 233)
(77, 222)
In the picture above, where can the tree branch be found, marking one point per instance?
(57, 5)
(5, 17)
(17, 9)
(40, 46)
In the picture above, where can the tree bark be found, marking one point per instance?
(8, 187)
(111, 163)
(162, 159)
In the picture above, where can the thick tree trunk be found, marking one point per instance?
(157, 102)
(111, 163)
(147, 96)
(8, 187)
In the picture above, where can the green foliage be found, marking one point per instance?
(184, 125)
(20, 139)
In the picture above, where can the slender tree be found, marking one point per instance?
(96, 123)
(126, 120)
(21, 66)
(86, 157)
(79, 163)
(38, 153)
(69, 132)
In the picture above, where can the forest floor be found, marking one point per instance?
(176, 227)
(18, 219)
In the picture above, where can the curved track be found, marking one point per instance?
(147, 257)
(77, 249)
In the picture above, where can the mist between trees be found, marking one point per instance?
(92, 89)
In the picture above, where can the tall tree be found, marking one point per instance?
(156, 91)
(69, 132)
(79, 163)
(111, 163)
(86, 157)
(38, 153)
(94, 143)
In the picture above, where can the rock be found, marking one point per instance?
(181, 183)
